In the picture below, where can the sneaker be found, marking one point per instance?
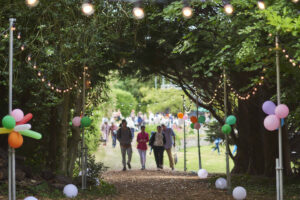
(124, 168)
(129, 166)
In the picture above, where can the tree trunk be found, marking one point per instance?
(63, 138)
(75, 139)
(257, 148)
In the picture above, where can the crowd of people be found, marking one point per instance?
(163, 139)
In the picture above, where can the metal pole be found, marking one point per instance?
(199, 153)
(226, 136)
(279, 129)
(277, 180)
(11, 151)
(83, 161)
(184, 138)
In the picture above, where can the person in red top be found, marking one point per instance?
(142, 140)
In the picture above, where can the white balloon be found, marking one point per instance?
(70, 191)
(30, 198)
(221, 183)
(239, 193)
(22, 127)
(202, 173)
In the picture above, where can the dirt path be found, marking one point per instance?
(160, 185)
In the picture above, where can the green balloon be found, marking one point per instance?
(8, 122)
(201, 119)
(32, 134)
(226, 129)
(85, 122)
(70, 123)
(231, 120)
(192, 125)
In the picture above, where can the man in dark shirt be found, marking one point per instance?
(124, 136)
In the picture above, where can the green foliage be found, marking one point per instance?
(125, 101)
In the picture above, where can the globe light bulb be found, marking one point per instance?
(295, 1)
(87, 9)
(261, 5)
(32, 3)
(228, 9)
(138, 13)
(187, 12)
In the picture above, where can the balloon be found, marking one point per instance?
(185, 117)
(15, 140)
(239, 193)
(76, 121)
(282, 111)
(70, 191)
(5, 130)
(231, 120)
(192, 125)
(193, 119)
(8, 122)
(85, 121)
(202, 173)
(271, 122)
(22, 127)
(221, 183)
(32, 134)
(25, 119)
(30, 198)
(17, 114)
(201, 119)
(269, 107)
(226, 129)
(197, 126)
(180, 115)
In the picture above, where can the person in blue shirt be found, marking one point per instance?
(217, 143)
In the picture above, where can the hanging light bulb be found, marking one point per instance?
(19, 35)
(187, 12)
(87, 8)
(261, 5)
(32, 3)
(228, 8)
(295, 1)
(138, 12)
(22, 47)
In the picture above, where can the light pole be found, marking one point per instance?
(11, 151)
(184, 136)
(228, 175)
(279, 167)
(83, 147)
(198, 134)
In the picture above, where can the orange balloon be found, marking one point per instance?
(180, 115)
(15, 140)
(194, 119)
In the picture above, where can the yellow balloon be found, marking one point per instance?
(5, 131)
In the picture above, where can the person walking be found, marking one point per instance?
(113, 131)
(105, 132)
(170, 141)
(124, 136)
(157, 142)
(142, 139)
(217, 142)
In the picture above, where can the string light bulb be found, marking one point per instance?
(19, 35)
(261, 5)
(138, 13)
(295, 1)
(87, 8)
(228, 8)
(32, 3)
(187, 11)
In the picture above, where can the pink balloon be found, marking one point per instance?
(271, 122)
(197, 125)
(17, 114)
(76, 121)
(282, 111)
(185, 117)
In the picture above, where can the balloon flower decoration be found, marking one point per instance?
(196, 122)
(230, 120)
(275, 113)
(84, 122)
(15, 125)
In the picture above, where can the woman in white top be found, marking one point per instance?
(157, 142)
